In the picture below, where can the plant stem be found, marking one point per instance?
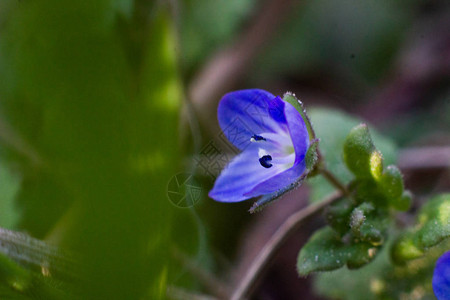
(266, 254)
(334, 181)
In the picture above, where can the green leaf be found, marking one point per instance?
(355, 284)
(338, 215)
(433, 227)
(434, 221)
(358, 149)
(292, 99)
(326, 251)
(405, 249)
(391, 182)
(9, 186)
(311, 157)
(99, 101)
(369, 224)
(402, 203)
(381, 279)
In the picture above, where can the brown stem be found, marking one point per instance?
(266, 254)
(334, 181)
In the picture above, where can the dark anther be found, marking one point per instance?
(265, 161)
(258, 138)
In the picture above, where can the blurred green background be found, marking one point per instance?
(103, 102)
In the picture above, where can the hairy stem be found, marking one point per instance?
(331, 178)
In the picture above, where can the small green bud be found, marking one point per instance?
(391, 183)
(403, 203)
(358, 149)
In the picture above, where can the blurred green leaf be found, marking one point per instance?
(433, 226)
(93, 88)
(404, 202)
(9, 185)
(344, 38)
(207, 25)
(381, 279)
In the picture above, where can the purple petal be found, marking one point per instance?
(278, 181)
(441, 277)
(242, 174)
(298, 132)
(245, 113)
(276, 110)
(300, 138)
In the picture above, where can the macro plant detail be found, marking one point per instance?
(279, 151)
(149, 149)
(274, 140)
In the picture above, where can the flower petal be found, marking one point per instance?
(276, 110)
(441, 277)
(298, 131)
(242, 174)
(278, 181)
(245, 113)
(300, 139)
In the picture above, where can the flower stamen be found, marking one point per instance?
(265, 161)
(257, 138)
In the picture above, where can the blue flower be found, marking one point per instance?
(441, 277)
(273, 138)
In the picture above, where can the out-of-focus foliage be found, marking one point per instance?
(9, 184)
(206, 25)
(92, 89)
(381, 279)
(349, 36)
(433, 226)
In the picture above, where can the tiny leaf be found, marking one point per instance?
(402, 203)
(338, 215)
(358, 149)
(434, 220)
(368, 224)
(326, 251)
(392, 182)
(405, 249)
